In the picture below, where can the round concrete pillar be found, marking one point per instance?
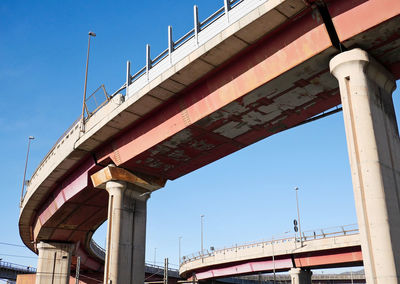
(300, 276)
(126, 234)
(54, 262)
(374, 151)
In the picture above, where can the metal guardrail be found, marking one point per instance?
(101, 253)
(93, 104)
(315, 276)
(17, 267)
(172, 46)
(307, 236)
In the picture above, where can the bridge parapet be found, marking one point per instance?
(212, 263)
(10, 270)
(291, 240)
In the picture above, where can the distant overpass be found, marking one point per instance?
(327, 248)
(10, 270)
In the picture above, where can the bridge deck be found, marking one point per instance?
(338, 249)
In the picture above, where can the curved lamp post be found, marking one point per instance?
(26, 165)
(84, 91)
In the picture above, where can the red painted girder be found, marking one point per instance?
(246, 268)
(352, 17)
(251, 70)
(315, 259)
(265, 62)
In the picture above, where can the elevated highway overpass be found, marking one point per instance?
(251, 70)
(10, 270)
(329, 248)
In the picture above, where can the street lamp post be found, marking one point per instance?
(86, 73)
(273, 258)
(202, 232)
(180, 250)
(26, 165)
(298, 215)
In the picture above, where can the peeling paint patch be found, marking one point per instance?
(293, 99)
(179, 155)
(232, 129)
(183, 136)
(256, 118)
(257, 95)
(201, 145)
(159, 149)
(235, 108)
(212, 118)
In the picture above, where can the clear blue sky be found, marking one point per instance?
(244, 197)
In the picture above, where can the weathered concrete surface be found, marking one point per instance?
(54, 263)
(374, 151)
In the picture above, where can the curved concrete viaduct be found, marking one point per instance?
(327, 250)
(260, 67)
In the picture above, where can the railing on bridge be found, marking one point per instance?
(150, 268)
(150, 63)
(17, 267)
(315, 277)
(307, 236)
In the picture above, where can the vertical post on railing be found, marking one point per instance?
(170, 43)
(78, 267)
(166, 271)
(196, 24)
(273, 258)
(227, 7)
(148, 60)
(128, 76)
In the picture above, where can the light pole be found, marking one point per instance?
(26, 165)
(86, 73)
(298, 215)
(155, 254)
(273, 258)
(202, 232)
(180, 238)
(273, 255)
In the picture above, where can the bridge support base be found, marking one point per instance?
(54, 263)
(300, 276)
(374, 150)
(126, 231)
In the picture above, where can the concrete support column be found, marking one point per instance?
(126, 232)
(300, 276)
(54, 263)
(374, 150)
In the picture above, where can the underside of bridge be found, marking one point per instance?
(274, 81)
